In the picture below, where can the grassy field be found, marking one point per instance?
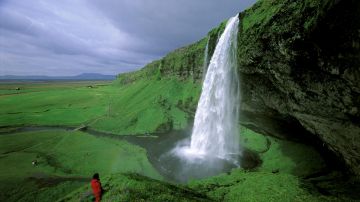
(70, 103)
(137, 108)
(69, 157)
(279, 178)
(134, 187)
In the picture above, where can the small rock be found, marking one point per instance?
(275, 171)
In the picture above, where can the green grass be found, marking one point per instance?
(138, 107)
(133, 187)
(18, 87)
(290, 161)
(183, 63)
(56, 104)
(148, 106)
(61, 155)
(268, 12)
(281, 155)
(135, 108)
(278, 178)
(255, 186)
(261, 13)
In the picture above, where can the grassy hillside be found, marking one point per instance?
(160, 97)
(66, 160)
(235, 186)
(151, 105)
(185, 63)
(134, 187)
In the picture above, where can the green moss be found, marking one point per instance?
(271, 27)
(260, 14)
(253, 141)
(281, 155)
(183, 63)
(213, 37)
(255, 186)
(267, 14)
(293, 158)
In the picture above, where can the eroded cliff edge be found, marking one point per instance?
(299, 63)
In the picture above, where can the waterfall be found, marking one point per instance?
(215, 131)
(214, 144)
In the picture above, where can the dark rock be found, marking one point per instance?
(275, 171)
(301, 65)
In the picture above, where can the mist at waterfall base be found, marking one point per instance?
(214, 144)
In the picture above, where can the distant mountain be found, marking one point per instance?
(84, 76)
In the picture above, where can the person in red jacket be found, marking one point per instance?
(96, 187)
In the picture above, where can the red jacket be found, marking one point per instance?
(96, 186)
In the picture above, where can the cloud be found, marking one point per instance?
(105, 36)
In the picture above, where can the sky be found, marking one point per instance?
(70, 37)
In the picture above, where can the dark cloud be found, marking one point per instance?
(106, 36)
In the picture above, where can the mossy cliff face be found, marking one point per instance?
(299, 63)
(183, 63)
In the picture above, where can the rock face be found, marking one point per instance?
(299, 63)
(300, 67)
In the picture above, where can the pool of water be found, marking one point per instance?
(163, 153)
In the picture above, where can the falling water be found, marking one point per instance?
(214, 145)
(215, 131)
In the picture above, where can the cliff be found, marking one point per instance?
(300, 68)
(299, 63)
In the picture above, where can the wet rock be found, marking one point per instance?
(300, 69)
